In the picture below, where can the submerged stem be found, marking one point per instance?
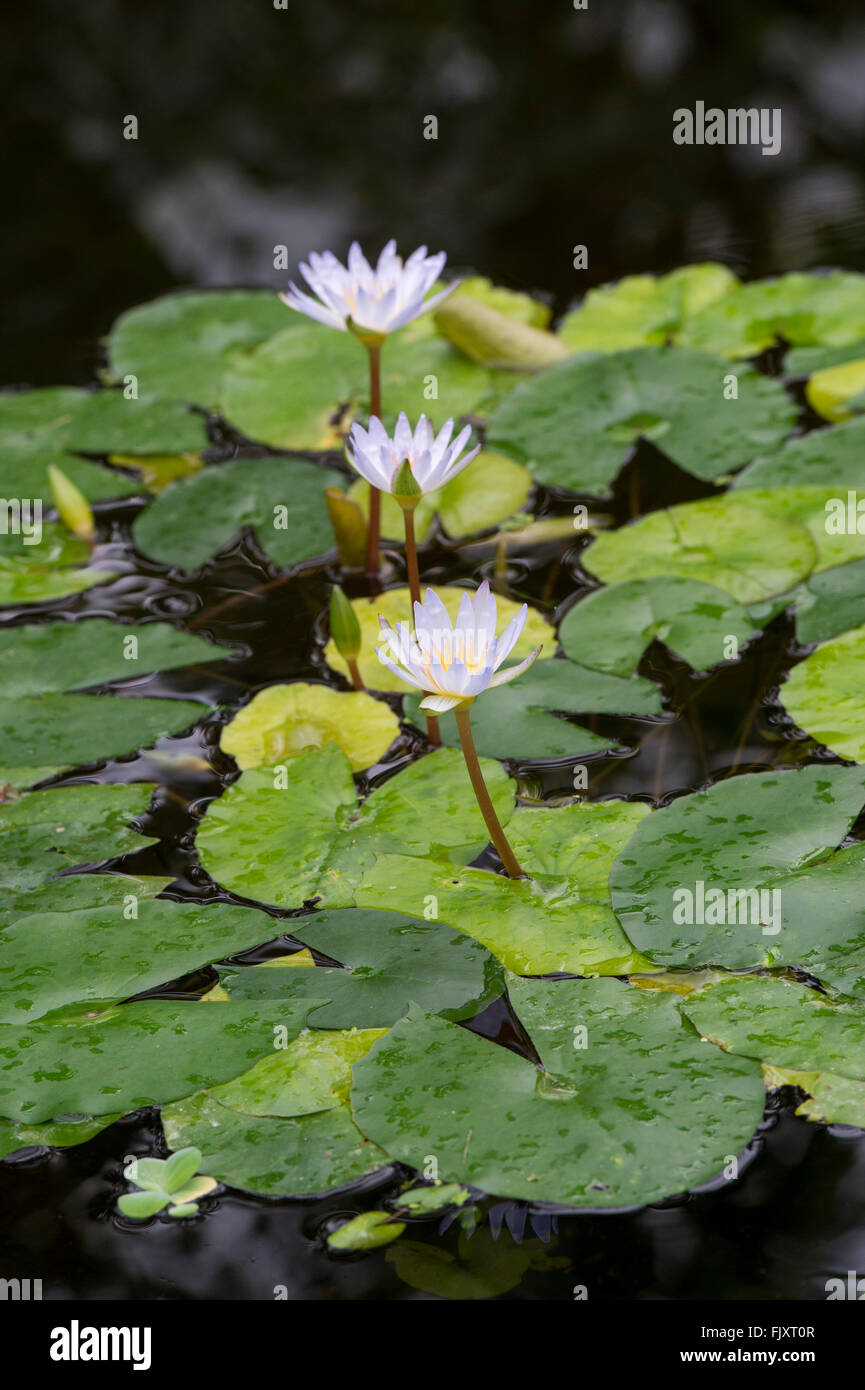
(373, 562)
(497, 835)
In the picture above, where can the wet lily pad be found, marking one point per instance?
(55, 657)
(395, 606)
(75, 891)
(284, 720)
(311, 1074)
(132, 1055)
(59, 1135)
(303, 388)
(560, 919)
(611, 628)
(831, 458)
(391, 959)
(630, 1118)
(643, 309)
(573, 424)
(522, 719)
(181, 345)
(772, 831)
(483, 1267)
(68, 730)
(268, 839)
(718, 541)
(50, 959)
(314, 1153)
(783, 1023)
(830, 603)
(45, 832)
(282, 499)
(823, 694)
(490, 490)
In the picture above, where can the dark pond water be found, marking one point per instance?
(794, 1218)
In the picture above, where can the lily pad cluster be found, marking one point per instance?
(313, 1021)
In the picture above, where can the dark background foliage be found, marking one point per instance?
(304, 126)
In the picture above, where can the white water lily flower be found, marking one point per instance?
(453, 662)
(380, 300)
(432, 458)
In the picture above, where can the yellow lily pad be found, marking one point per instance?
(395, 606)
(832, 391)
(284, 720)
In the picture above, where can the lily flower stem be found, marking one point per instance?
(373, 563)
(432, 724)
(497, 835)
(354, 672)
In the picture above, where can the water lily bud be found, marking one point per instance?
(405, 488)
(75, 511)
(344, 626)
(349, 528)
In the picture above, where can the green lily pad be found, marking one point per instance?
(831, 458)
(611, 628)
(560, 919)
(284, 720)
(391, 959)
(783, 1023)
(67, 656)
(772, 831)
(24, 473)
(108, 423)
(45, 832)
(75, 891)
(717, 541)
(630, 1118)
(642, 309)
(803, 309)
(395, 606)
(834, 1100)
(271, 1156)
(99, 954)
(180, 345)
(311, 1074)
(818, 508)
(269, 839)
(131, 1055)
(837, 393)
(62, 1134)
(823, 694)
(518, 720)
(303, 388)
(61, 421)
(801, 362)
(282, 499)
(572, 425)
(830, 603)
(490, 490)
(68, 730)
(57, 566)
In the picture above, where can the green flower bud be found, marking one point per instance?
(75, 511)
(344, 626)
